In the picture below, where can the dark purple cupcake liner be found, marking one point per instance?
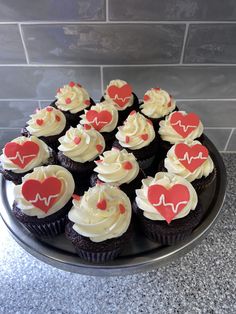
(98, 257)
(146, 163)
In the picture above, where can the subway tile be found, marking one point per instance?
(11, 50)
(42, 82)
(7, 135)
(104, 43)
(181, 81)
(216, 113)
(232, 142)
(215, 43)
(15, 113)
(170, 10)
(53, 10)
(218, 137)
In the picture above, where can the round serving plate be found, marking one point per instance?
(140, 255)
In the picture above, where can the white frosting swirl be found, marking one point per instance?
(117, 167)
(40, 159)
(173, 165)
(97, 224)
(168, 133)
(118, 83)
(136, 132)
(40, 174)
(167, 180)
(46, 122)
(103, 106)
(81, 145)
(157, 103)
(72, 97)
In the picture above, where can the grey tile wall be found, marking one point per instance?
(8, 135)
(218, 136)
(232, 142)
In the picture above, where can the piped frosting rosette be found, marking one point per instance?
(136, 132)
(82, 144)
(157, 103)
(72, 97)
(44, 191)
(180, 126)
(103, 117)
(166, 197)
(102, 213)
(24, 153)
(117, 167)
(46, 122)
(190, 160)
(120, 93)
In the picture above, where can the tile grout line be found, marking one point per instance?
(23, 43)
(229, 138)
(102, 83)
(184, 43)
(107, 12)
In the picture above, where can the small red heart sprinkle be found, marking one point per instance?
(79, 85)
(77, 140)
(71, 84)
(102, 204)
(76, 197)
(157, 88)
(99, 148)
(127, 139)
(58, 90)
(87, 102)
(146, 97)
(144, 137)
(87, 127)
(132, 112)
(68, 101)
(127, 165)
(39, 121)
(122, 208)
(49, 109)
(58, 118)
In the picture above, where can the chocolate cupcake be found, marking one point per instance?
(22, 155)
(192, 161)
(103, 117)
(178, 127)
(79, 148)
(100, 223)
(137, 136)
(72, 99)
(156, 105)
(118, 168)
(120, 93)
(48, 124)
(167, 208)
(43, 200)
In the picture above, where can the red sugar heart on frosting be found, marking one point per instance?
(87, 102)
(120, 95)
(121, 208)
(184, 124)
(102, 204)
(127, 139)
(77, 140)
(42, 194)
(146, 97)
(99, 148)
(168, 202)
(49, 109)
(68, 101)
(98, 119)
(144, 136)
(71, 84)
(58, 118)
(39, 121)
(21, 154)
(191, 157)
(127, 165)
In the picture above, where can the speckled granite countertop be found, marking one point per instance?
(203, 281)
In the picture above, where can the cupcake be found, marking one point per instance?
(48, 124)
(167, 208)
(72, 99)
(178, 127)
(118, 168)
(43, 200)
(103, 117)
(99, 225)
(78, 149)
(120, 93)
(191, 161)
(137, 136)
(22, 155)
(157, 104)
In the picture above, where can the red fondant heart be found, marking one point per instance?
(98, 119)
(21, 154)
(102, 204)
(42, 195)
(184, 124)
(144, 136)
(99, 148)
(168, 202)
(120, 95)
(127, 165)
(191, 157)
(122, 208)
(39, 121)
